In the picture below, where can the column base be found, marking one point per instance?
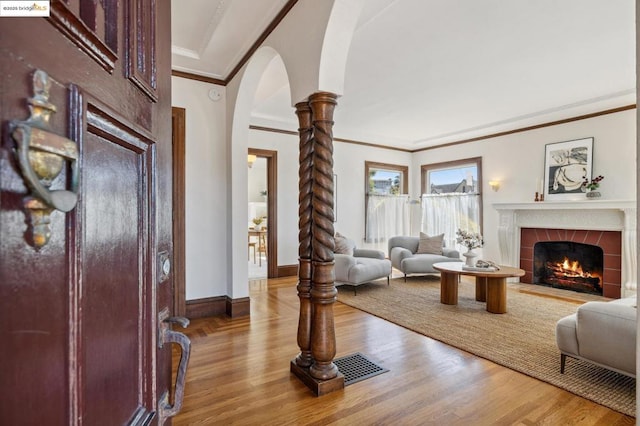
(319, 387)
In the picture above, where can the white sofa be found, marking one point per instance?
(603, 333)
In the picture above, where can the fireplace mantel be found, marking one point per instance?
(602, 215)
(569, 205)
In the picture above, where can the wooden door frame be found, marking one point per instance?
(178, 136)
(272, 208)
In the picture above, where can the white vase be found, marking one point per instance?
(258, 227)
(471, 257)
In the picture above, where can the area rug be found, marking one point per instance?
(523, 339)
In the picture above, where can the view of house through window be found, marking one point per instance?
(384, 181)
(386, 202)
(451, 198)
(458, 179)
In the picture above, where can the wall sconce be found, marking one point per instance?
(495, 185)
(251, 159)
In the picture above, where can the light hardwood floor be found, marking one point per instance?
(239, 374)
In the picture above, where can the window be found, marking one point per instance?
(386, 202)
(452, 198)
(386, 179)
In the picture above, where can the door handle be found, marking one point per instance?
(41, 156)
(167, 335)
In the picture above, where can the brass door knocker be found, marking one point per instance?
(42, 155)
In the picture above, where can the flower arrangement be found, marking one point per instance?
(470, 240)
(257, 220)
(592, 184)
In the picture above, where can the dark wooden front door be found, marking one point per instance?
(79, 312)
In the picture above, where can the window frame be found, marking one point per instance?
(404, 171)
(368, 166)
(426, 168)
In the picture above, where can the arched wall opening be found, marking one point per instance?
(315, 62)
(237, 197)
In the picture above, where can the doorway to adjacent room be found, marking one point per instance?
(262, 216)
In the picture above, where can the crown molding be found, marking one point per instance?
(272, 26)
(479, 138)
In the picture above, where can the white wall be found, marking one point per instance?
(205, 192)
(517, 161)
(348, 165)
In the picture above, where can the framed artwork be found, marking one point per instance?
(566, 165)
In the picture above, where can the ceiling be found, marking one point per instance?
(423, 73)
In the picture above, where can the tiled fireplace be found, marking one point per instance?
(606, 225)
(600, 276)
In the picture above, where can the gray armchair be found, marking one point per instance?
(364, 266)
(403, 252)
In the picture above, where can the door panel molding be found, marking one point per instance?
(83, 33)
(103, 121)
(125, 153)
(141, 49)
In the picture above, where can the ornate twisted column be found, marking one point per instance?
(305, 208)
(323, 290)
(316, 278)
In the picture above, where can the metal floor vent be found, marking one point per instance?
(357, 367)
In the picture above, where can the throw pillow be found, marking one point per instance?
(430, 245)
(343, 245)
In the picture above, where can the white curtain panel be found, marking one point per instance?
(446, 213)
(387, 216)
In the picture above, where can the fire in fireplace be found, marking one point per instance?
(568, 265)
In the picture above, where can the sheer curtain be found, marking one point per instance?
(445, 213)
(387, 216)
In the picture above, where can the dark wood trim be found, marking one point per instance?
(287, 271)
(479, 138)
(79, 33)
(272, 130)
(372, 145)
(291, 132)
(198, 77)
(206, 307)
(140, 50)
(178, 119)
(455, 163)
(272, 26)
(534, 127)
(219, 305)
(238, 307)
(272, 208)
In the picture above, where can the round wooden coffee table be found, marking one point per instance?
(491, 287)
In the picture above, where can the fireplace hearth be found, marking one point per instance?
(569, 265)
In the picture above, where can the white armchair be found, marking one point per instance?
(358, 266)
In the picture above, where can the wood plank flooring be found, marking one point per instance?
(239, 374)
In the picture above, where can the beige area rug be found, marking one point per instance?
(523, 339)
